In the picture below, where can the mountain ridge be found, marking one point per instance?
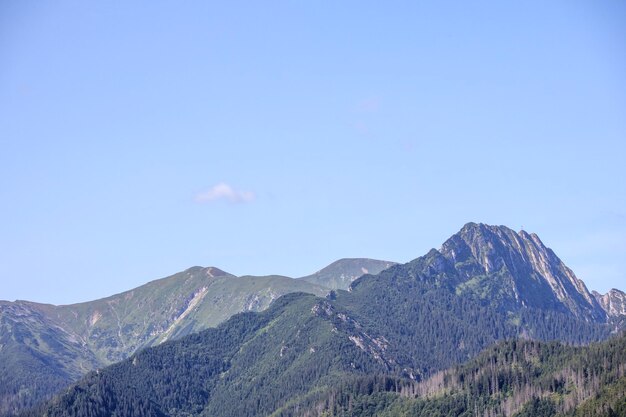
(341, 273)
(66, 341)
(484, 284)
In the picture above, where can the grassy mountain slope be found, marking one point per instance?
(189, 301)
(36, 357)
(232, 295)
(116, 326)
(340, 274)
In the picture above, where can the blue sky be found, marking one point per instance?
(140, 138)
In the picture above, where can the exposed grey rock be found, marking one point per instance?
(518, 268)
(613, 302)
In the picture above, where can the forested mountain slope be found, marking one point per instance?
(250, 365)
(518, 378)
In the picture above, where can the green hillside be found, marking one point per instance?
(340, 274)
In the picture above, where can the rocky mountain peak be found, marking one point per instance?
(532, 272)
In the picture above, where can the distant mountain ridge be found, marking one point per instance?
(340, 274)
(410, 321)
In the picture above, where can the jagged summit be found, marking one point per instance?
(518, 268)
(613, 302)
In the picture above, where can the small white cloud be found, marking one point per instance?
(223, 191)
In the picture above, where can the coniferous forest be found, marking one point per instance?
(245, 368)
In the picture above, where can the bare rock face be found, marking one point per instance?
(517, 268)
(613, 303)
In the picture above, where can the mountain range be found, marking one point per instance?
(397, 324)
(56, 345)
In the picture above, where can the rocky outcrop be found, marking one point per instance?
(613, 302)
(518, 268)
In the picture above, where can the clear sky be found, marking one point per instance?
(140, 138)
